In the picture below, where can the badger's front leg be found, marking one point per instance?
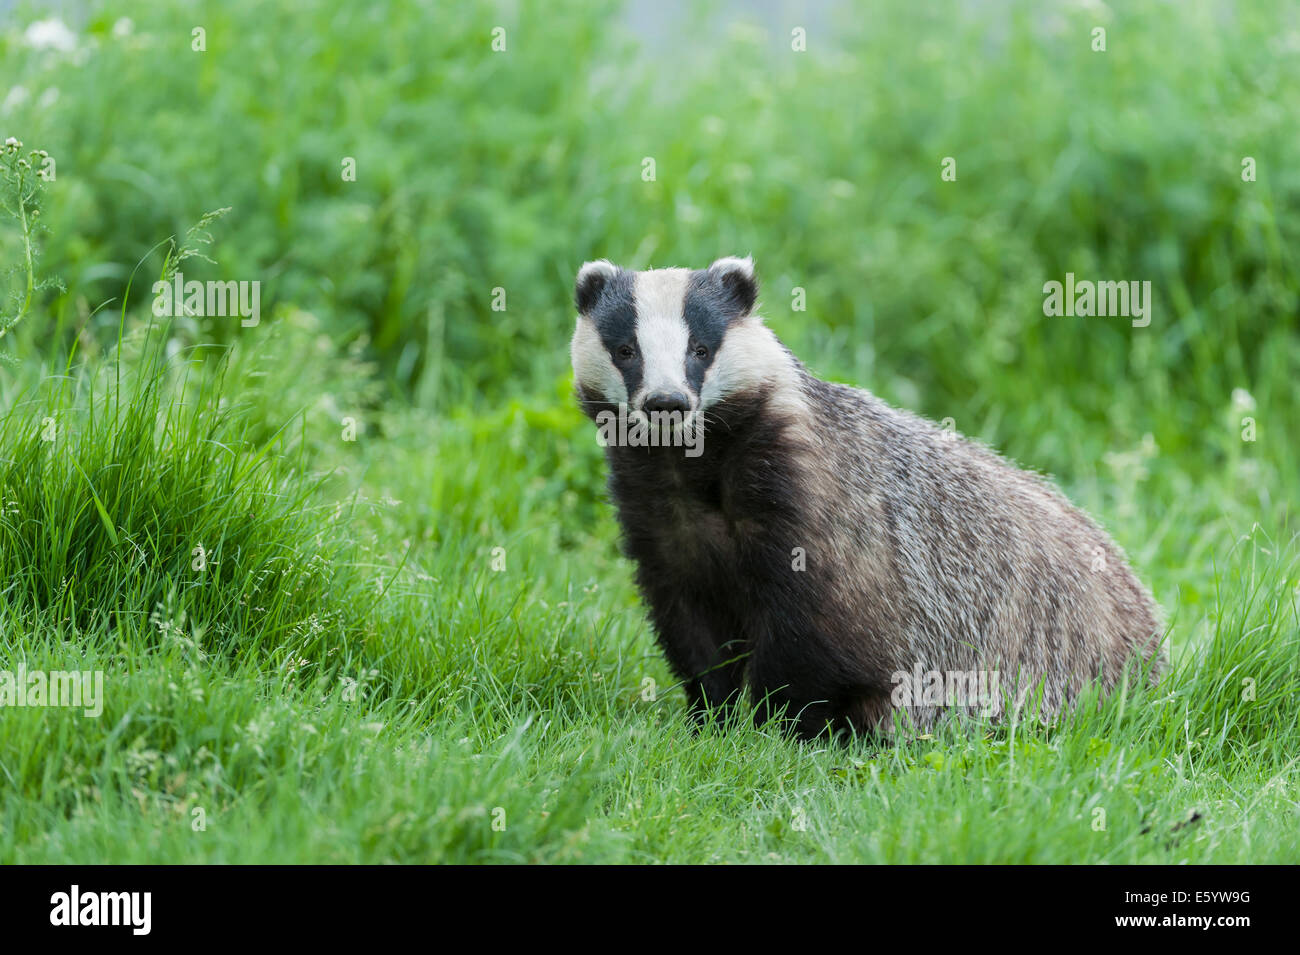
(802, 709)
(795, 676)
(710, 664)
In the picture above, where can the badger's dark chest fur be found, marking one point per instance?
(712, 523)
(718, 541)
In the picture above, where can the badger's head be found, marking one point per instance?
(666, 340)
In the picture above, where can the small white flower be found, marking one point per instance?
(123, 28)
(1242, 400)
(51, 34)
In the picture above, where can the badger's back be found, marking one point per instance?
(976, 563)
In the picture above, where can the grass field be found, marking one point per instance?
(350, 574)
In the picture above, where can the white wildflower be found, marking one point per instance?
(51, 34)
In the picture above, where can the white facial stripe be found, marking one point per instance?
(592, 366)
(661, 331)
(750, 356)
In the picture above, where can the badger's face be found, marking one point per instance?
(657, 341)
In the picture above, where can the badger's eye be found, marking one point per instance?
(701, 352)
(625, 352)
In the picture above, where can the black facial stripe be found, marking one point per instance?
(708, 311)
(614, 315)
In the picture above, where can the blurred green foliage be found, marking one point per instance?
(479, 169)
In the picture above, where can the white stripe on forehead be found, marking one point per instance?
(661, 330)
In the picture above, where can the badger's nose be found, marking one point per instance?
(667, 401)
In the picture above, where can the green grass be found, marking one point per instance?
(396, 641)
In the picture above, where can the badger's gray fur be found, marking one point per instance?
(824, 543)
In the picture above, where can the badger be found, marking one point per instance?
(829, 557)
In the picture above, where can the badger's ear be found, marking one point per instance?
(592, 278)
(737, 279)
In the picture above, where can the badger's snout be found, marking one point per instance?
(670, 401)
